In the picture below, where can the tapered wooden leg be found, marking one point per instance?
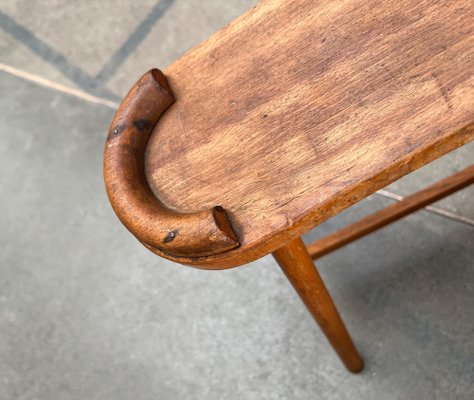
(297, 265)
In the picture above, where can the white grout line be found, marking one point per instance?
(434, 210)
(390, 195)
(450, 215)
(57, 86)
(108, 103)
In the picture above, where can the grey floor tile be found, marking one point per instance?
(187, 23)
(88, 313)
(103, 47)
(68, 42)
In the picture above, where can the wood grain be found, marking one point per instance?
(299, 109)
(296, 263)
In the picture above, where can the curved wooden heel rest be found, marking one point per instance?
(159, 228)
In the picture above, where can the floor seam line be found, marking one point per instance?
(59, 87)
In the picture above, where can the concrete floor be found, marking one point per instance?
(87, 313)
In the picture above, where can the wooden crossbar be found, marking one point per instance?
(392, 213)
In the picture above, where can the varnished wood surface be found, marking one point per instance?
(392, 213)
(299, 109)
(296, 263)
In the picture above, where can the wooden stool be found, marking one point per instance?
(289, 115)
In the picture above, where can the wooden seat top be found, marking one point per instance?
(299, 109)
